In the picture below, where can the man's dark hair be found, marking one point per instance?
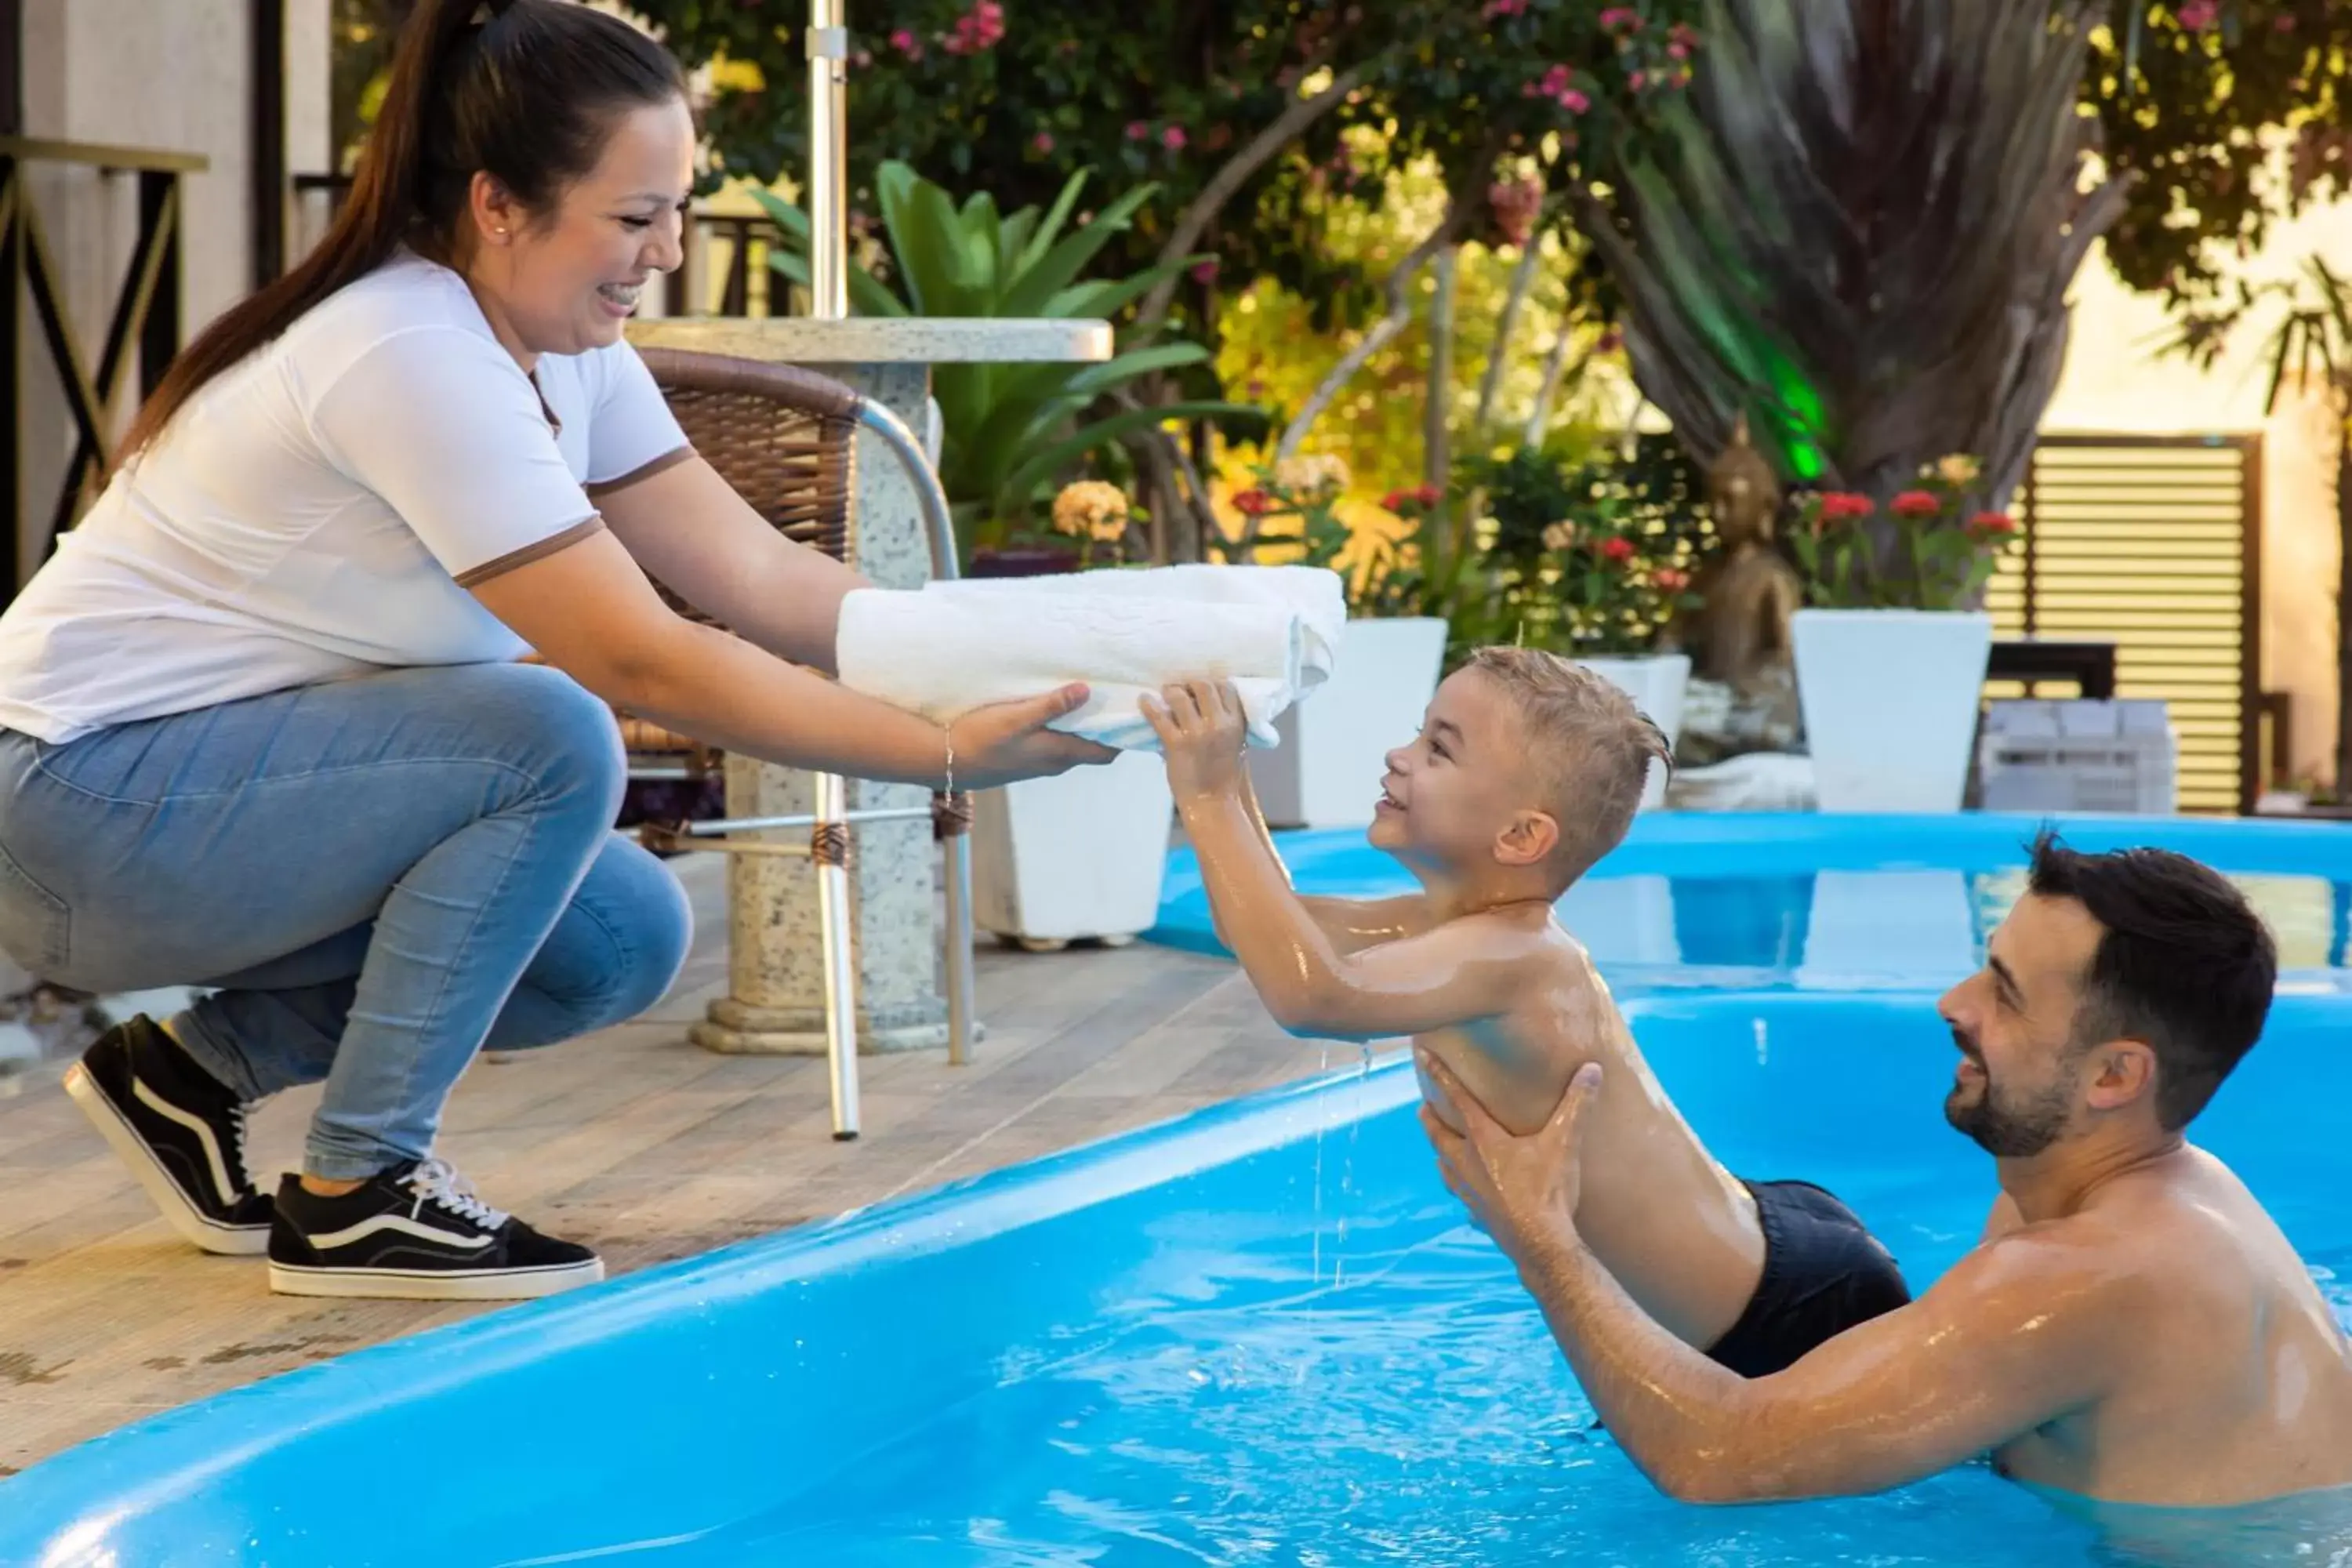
(2183, 963)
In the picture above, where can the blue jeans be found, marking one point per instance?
(381, 875)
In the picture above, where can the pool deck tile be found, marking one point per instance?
(632, 1139)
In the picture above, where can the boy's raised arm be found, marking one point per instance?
(1306, 980)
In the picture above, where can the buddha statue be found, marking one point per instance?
(1740, 633)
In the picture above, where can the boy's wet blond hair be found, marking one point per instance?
(1589, 745)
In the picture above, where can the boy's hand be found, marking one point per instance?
(1202, 730)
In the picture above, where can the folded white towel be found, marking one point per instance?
(948, 648)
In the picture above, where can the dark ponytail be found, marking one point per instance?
(526, 91)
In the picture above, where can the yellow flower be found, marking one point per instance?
(1959, 468)
(1313, 475)
(1091, 507)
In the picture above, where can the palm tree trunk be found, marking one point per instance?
(1507, 327)
(2344, 604)
(1438, 405)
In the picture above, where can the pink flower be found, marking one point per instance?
(2198, 15)
(1516, 204)
(1137, 131)
(1669, 579)
(907, 43)
(1505, 8)
(1618, 16)
(1174, 139)
(1042, 144)
(1638, 81)
(1678, 51)
(1574, 101)
(2284, 24)
(1205, 271)
(982, 27)
(1555, 81)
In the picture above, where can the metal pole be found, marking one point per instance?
(828, 206)
(828, 192)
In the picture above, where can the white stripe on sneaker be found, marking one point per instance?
(377, 1223)
(195, 1124)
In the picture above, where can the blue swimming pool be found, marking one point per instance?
(1261, 1335)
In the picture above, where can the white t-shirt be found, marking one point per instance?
(321, 509)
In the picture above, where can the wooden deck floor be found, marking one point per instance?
(633, 1141)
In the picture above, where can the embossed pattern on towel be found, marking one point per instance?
(948, 648)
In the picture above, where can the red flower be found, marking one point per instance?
(1623, 16)
(2198, 15)
(1392, 501)
(1992, 525)
(1916, 503)
(1205, 271)
(1840, 506)
(1042, 143)
(1137, 131)
(1252, 502)
(1429, 495)
(1669, 580)
(1617, 549)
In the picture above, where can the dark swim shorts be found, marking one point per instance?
(1823, 1273)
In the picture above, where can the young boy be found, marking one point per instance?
(1528, 769)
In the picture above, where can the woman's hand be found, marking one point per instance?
(1005, 742)
(1202, 731)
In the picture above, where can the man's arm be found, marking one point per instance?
(2014, 1336)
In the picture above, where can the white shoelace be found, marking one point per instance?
(437, 1181)
(237, 1168)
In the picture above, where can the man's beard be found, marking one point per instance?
(2011, 1128)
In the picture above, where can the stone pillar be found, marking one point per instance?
(775, 1001)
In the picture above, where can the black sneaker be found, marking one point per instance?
(416, 1232)
(180, 1130)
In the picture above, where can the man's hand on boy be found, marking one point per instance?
(1201, 732)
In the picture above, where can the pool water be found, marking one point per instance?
(1260, 1337)
(1399, 1401)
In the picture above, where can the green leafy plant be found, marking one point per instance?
(1590, 558)
(1943, 550)
(1009, 430)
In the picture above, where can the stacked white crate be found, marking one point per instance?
(2080, 754)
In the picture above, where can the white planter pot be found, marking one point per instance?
(1335, 742)
(1890, 702)
(1080, 855)
(1656, 683)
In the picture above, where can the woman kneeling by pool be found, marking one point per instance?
(265, 725)
(2133, 1328)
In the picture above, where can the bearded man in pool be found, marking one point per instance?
(2132, 1326)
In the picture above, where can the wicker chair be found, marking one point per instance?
(784, 439)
